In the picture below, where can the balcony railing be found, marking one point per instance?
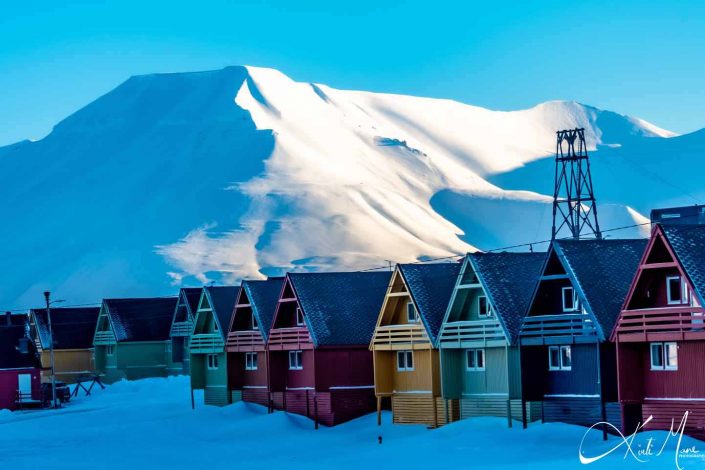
(546, 329)
(290, 338)
(206, 344)
(182, 328)
(472, 333)
(103, 338)
(668, 323)
(399, 336)
(250, 340)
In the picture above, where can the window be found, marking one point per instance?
(675, 290)
(664, 356)
(483, 306)
(570, 300)
(411, 316)
(110, 350)
(405, 360)
(560, 358)
(212, 361)
(255, 326)
(299, 317)
(251, 361)
(475, 359)
(295, 360)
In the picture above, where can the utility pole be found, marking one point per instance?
(51, 349)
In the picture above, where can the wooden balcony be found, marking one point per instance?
(469, 334)
(206, 344)
(289, 339)
(556, 329)
(678, 323)
(103, 338)
(182, 328)
(407, 336)
(244, 341)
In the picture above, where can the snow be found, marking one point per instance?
(183, 179)
(149, 424)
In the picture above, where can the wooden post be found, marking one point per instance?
(284, 399)
(379, 410)
(435, 411)
(445, 407)
(603, 412)
(523, 413)
(308, 408)
(193, 401)
(315, 411)
(509, 412)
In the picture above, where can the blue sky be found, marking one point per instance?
(635, 57)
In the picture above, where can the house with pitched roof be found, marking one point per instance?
(209, 365)
(318, 358)
(131, 339)
(660, 334)
(568, 363)
(20, 367)
(406, 361)
(247, 337)
(181, 329)
(479, 336)
(73, 330)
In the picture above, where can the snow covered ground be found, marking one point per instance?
(149, 424)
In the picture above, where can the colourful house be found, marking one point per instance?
(20, 367)
(209, 365)
(131, 338)
(406, 362)
(247, 337)
(181, 328)
(319, 362)
(73, 330)
(479, 337)
(568, 363)
(660, 334)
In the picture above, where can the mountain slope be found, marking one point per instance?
(244, 172)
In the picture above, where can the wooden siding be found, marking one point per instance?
(259, 396)
(69, 364)
(466, 334)
(240, 378)
(424, 378)
(282, 378)
(558, 329)
(419, 408)
(9, 384)
(581, 411)
(245, 341)
(330, 408)
(340, 368)
(133, 361)
(670, 412)
(583, 377)
(686, 382)
(498, 406)
(214, 382)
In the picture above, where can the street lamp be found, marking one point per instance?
(51, 345)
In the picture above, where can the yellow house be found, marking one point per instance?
(72, 330)
(406, 363)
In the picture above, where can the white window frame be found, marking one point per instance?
(576, 304)
(255, 325)
(300, 317)
(212, 361)
(250, 361)
(406, 355)
(681, 284)
(560, 366)
(486, 314)
(298, 362)
(664, 356)
(110, 350)
(410, 307)
(475, 353)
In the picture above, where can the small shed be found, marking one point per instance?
(20, 366)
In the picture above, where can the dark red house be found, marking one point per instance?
(20, 367)
(247, 336)
(319, 362)
(660, 333)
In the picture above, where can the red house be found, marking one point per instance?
(319, 362)
(660, 334)
(249, 330)
(20, 367)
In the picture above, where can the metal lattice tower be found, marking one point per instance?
(574, 205)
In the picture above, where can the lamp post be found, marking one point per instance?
(51, 347)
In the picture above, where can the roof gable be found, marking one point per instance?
(263, 297)
(688, 244)
(73, 328)
(430, 286)
(221, 301)
(143, 319)
(340, 308)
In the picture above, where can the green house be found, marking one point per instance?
(209, 368)
(480, 363)
(131, 339)
(181, 329)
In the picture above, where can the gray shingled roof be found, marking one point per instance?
(688, 244)
(603, 271)
(509, 280)
(222, 302)
(431, 286)
(340, 308)
(145, 319)
(73, 327)
(264, 296)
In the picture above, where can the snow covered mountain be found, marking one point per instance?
(185, 178)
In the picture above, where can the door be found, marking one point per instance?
(24, 385)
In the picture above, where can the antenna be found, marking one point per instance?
(574, 204)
